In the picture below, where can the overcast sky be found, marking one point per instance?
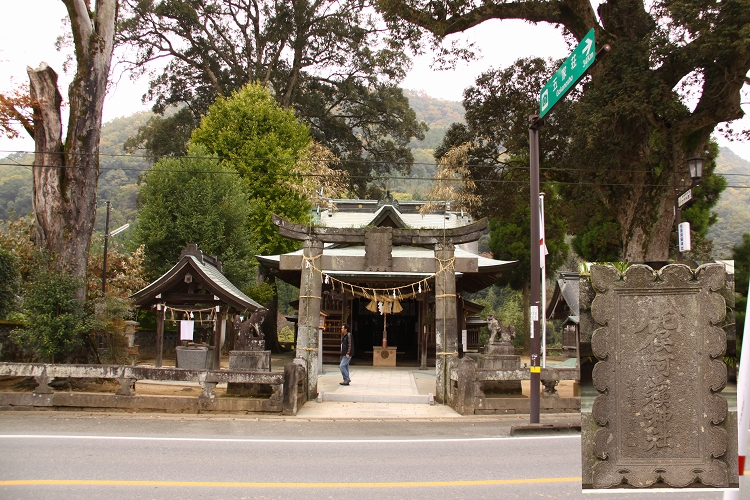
(500, 43)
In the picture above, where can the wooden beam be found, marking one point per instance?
(194, 298)
(217, 339)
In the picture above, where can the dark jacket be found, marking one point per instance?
(346, 345)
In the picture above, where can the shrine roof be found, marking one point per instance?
(206, 284)
(564, 302)
(361, 213)
(484, 263)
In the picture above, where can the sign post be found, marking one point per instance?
(684, 198)
(562, 82)
(535, 375)
(568, 75)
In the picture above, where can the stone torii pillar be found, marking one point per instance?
(446, 321)
(310, 289)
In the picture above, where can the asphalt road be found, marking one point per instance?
(57, 455)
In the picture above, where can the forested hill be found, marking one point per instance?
(439, 114)
(733, 208)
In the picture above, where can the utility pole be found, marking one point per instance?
(571, 72)
(106, 242)
(535, 123)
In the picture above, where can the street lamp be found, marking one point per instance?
(695, 167)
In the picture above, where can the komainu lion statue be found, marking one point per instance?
(507, 334)
(250, 329)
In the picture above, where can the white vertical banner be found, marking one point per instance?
(187, 328)
(543, 264)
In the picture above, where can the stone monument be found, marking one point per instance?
(659, 417)
(249, 354)
(500, 355)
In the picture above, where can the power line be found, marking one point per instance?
(365, 177)
(511, 165)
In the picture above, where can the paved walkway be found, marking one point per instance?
(402, 393)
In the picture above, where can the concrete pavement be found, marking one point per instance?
(376, 393)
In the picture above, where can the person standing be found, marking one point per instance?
(346, 353)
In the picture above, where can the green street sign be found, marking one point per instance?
(568, 74)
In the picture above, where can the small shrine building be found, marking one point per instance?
(194, 289)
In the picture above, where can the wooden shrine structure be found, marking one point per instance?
(194, 285)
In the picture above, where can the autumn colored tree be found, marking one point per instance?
(15, 110)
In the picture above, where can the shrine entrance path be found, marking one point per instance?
(376, 393)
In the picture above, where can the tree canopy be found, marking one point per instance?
(497, 116)
(631, 130)
(252, 134)
(196, 199)
(497, 111)
(330, 61)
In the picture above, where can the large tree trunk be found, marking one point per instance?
(646, 216)
(65, 176)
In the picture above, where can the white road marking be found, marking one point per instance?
(280, 441)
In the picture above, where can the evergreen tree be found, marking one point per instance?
(196, 199)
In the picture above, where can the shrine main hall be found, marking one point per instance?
(395, 275)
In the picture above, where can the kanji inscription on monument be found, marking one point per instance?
(660, 374)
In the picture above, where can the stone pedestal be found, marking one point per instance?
(383, 356)
(500, 356)
(194, 357)
(255, 360)
(250, 361)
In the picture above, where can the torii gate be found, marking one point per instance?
(378, 257)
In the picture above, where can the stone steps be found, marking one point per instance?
(350, 397)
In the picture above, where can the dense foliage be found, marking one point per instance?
(250, 133)
(56, 319)
(497, 111)
(330, 61)
(195, 199)
(631, 130)
(9, 281)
